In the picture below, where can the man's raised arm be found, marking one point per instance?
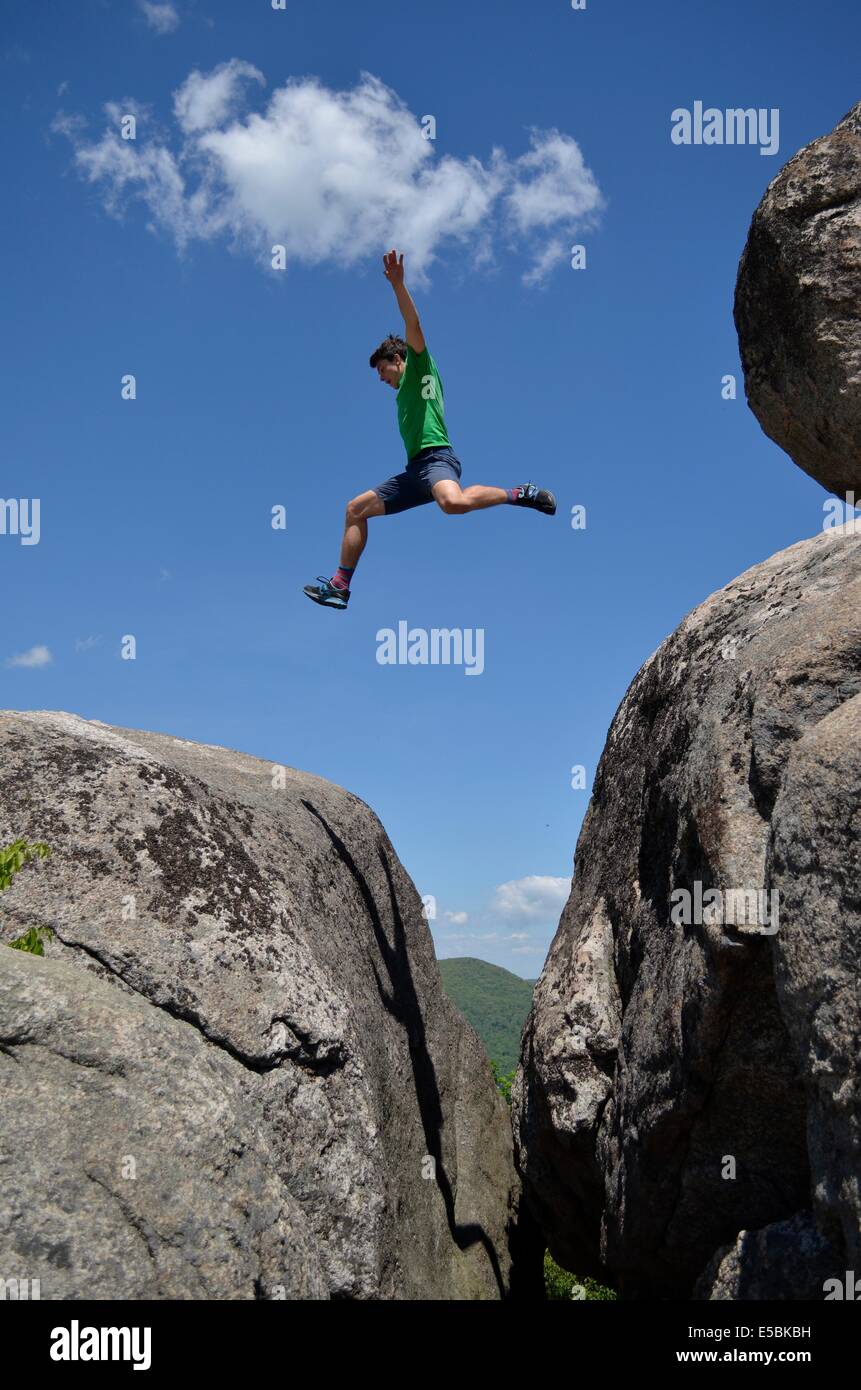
(394, 273)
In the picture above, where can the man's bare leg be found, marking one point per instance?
(335, 592)
(356, 526)
(455, 500)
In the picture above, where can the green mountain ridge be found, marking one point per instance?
(493, 1000)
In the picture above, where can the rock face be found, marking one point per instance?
(788, 1260)
(798, 308)
(685, 1077)
(136, 1162)
(234, 1074)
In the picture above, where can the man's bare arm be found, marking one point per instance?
(394, 273)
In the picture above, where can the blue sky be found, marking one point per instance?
(553, 128)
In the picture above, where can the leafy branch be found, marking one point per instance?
(12, 860)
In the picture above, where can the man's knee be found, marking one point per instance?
(450, 499)
(453, 506)
(358, 508)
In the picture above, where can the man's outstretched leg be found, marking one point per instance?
(455, 500)
(335, 592)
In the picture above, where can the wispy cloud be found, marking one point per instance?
(335, 177)
(85, 644)
(160, 15)
(458, 918)
(555, 251)
(16, 53)
(36, 656)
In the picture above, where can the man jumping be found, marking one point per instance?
(433, 472)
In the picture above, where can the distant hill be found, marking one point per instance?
(493, 1000)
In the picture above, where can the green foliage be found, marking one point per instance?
(16, 855)
(31, 941)
(559, 1283)
(503, 1082)
(12, 859)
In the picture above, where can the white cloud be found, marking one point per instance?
(336, 177)
(162, 17)
(206, 100)
(553, 185)
(537, 897)
(555, 251)
(36, 656)
(85, 644)
(457, 917)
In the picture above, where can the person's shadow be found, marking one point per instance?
(403, 1004)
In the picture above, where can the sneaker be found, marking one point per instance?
(327, 593)
(531, 496)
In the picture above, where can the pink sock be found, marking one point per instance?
(342, 576)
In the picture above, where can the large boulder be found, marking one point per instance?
(242, 996)
(798, 308)
(686, 1077)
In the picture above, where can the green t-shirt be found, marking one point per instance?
(421, 420)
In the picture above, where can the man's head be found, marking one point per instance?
(390, 358)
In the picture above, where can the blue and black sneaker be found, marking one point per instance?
(327, 593)
(531, 496)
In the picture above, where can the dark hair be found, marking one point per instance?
(388, 349)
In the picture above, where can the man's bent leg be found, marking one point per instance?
(356, 526)
(455, 500)
(335, 592)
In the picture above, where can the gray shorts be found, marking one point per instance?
(412, 488)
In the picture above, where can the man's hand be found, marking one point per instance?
(393, 269)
